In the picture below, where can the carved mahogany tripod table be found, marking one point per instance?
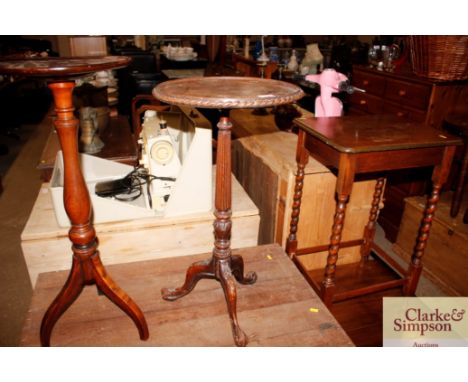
(223, 93)
(368, 144)
(87, 267)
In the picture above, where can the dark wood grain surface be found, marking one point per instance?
(62, 67)
(369, 133)
(227, 92)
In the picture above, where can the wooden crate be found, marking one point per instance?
(46, 246)
(86, 46)
(446, 256)
(265, 165)
(280, 309)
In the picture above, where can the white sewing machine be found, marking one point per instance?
(177, 150)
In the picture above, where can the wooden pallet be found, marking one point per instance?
(280, 309)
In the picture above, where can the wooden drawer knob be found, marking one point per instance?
(363, 102)
(365, 82)
(400, 114)
(401, 93)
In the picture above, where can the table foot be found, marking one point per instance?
(327, 292)
(227, 272)
(69, 293)
(237, 265)
(196, 272)
(87, 271)
(414, 273)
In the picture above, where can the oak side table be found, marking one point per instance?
(87, 267)
(368, 145)
(223, 93)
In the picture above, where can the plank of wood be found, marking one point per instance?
(275, 311)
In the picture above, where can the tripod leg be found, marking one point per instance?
(119, 297)
(237, 266)
(69, 293)
(228, 283)
(196, 272)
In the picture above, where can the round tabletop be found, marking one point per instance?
(62, 67)
(227, 92)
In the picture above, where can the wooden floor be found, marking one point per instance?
(21, 184)
(280, 309)
(361, 317)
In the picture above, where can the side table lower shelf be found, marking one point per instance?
(361, 317)
(355, 277)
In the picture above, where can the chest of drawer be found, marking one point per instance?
(404, 112)
(373, 84)
(367, 103)
(407, 93)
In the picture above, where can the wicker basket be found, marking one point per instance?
(442, 58)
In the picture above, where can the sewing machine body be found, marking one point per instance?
(180, 156)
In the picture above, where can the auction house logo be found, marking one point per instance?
(425, 321)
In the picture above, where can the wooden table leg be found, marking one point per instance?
(222, 266)
(344, 185)
(87, 267)
(369, 230)
(302, 158)
(439, 177)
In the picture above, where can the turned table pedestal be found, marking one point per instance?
(368, 145)
(223, 93)
(87, 267)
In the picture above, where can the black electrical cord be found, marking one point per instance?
(138, 177)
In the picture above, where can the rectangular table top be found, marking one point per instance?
(371, 133)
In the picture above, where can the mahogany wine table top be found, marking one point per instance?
(227, 92)
(369, 133)
(279, 310)
(63, 66)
